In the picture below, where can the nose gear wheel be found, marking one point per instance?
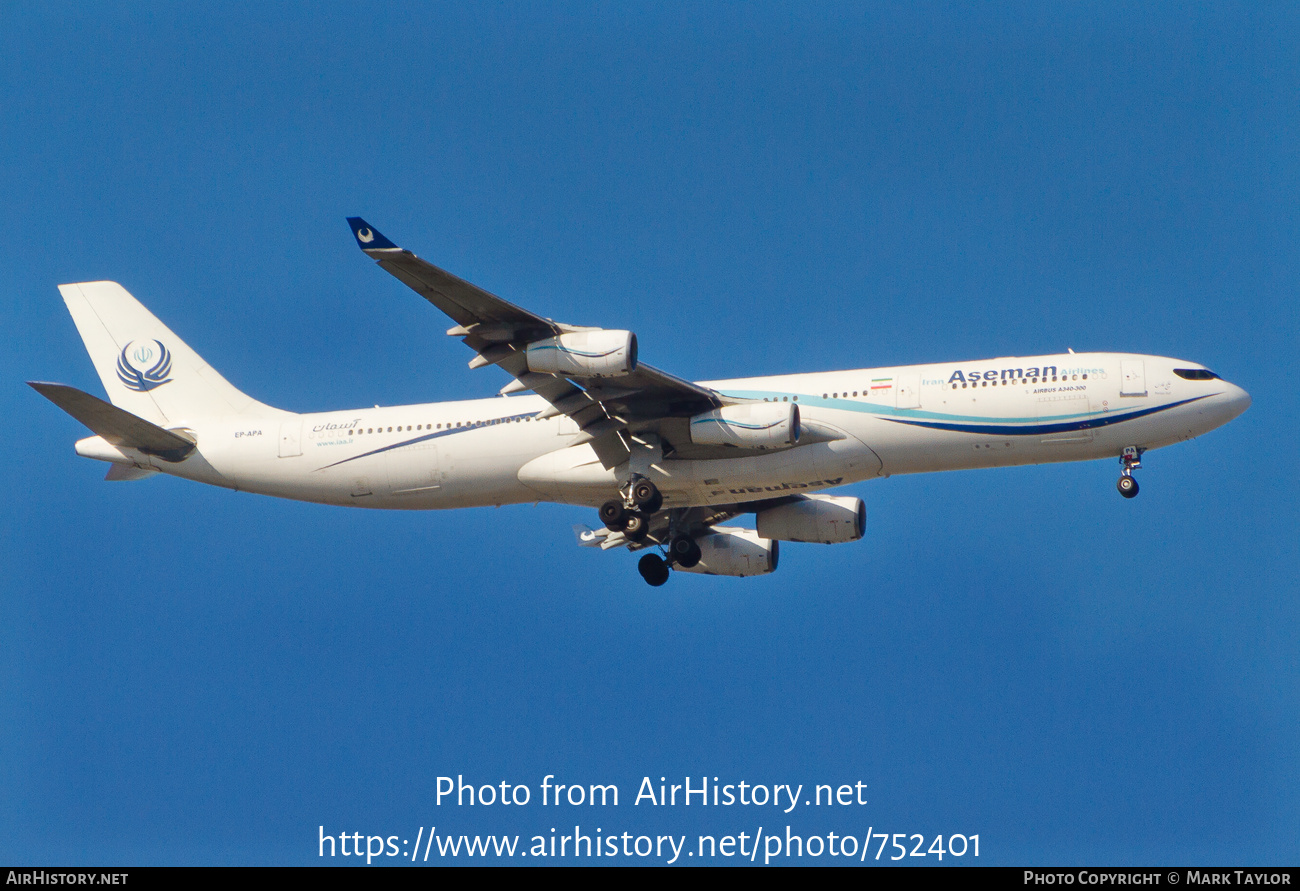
(1130, 460)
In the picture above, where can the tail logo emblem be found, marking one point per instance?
(365, 236)
(135, 371)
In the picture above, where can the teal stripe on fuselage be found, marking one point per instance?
(945, 421)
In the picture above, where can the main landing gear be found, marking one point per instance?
(682, 551)
(631, 513)
(654, 569)
(645, 495)
(617, 517)
(1130, 460)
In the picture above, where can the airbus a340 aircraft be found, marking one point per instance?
(665, 460)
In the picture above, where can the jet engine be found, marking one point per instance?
(584, 354)
(731, 551)
(824, 519)
(753, 425)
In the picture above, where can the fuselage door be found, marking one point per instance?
(291, 438)
(1133, 378)
(907, 391)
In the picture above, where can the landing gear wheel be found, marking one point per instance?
(638, 525)
(685, 552)
(614, 515)
(1129, 460)
(646, 496)
(653, 569)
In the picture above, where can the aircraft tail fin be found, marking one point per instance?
(146, 369)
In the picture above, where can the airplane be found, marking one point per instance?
(583, 421)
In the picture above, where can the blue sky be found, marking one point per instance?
(195, 676)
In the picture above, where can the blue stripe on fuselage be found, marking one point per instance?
(426, 438)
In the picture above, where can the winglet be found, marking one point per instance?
(588, 537)
(368, 237)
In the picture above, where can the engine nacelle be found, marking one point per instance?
(584, 354)
(730, 551)
(823, 519)
(753, 425)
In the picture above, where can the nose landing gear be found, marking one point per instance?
(1130, 460)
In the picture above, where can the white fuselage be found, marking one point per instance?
(872, 422)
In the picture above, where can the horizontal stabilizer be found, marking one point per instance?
(117, 426)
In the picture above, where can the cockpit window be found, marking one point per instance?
(1196, 374)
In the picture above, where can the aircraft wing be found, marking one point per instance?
(606, 410)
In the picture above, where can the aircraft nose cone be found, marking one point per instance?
(1238, 400)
